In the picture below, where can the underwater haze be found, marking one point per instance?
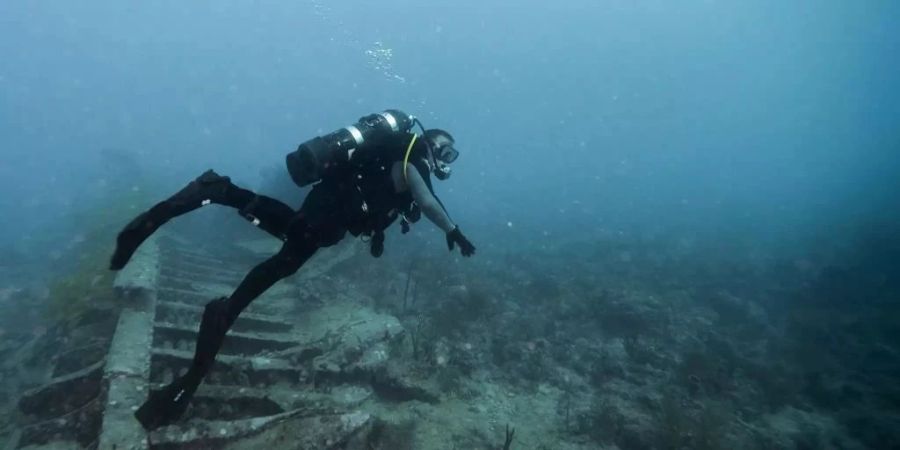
(771, 119)
(686, 213)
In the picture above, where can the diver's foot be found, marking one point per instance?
(166, 406)
(131, 238)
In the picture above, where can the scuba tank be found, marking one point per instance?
(313, 158)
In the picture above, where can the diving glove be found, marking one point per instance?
(455, 237)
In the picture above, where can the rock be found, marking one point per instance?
(307, 429)
(352, 338)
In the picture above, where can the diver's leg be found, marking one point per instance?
(166, 406)
(265, 212)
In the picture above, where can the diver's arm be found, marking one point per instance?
(427, 202)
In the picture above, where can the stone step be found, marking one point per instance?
(191, 273)
(188, 315)
(305, 428)
(230, 370)
(65, 413)
(170, 336)
(180, 253)
(233, 408)
(182, 284)
(185, 270)
(73, 360)
(217, 271)
(350, 395)
(63, 395)
(189, 294)
(80, 429)
(217, 402)
(264, 305)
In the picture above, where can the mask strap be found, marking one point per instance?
(431, 159)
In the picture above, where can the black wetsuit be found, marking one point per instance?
(356, 198)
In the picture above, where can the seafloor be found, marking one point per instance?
(629, 343)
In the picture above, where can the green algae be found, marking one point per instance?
(85, 285)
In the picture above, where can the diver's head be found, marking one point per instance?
(441, 152)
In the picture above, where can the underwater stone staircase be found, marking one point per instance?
(249, 399)
(275, 384)
(250, 394)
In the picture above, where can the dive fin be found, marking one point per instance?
(131, 238)
(209, 187)
(166, 406)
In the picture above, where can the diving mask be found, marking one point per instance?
(446, 153)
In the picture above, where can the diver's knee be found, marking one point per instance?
(221, 313)
(287, 267)
(209, 187)
(211, 177)
(141, 221)
(284, 265)
(267, 213)
(216, 310)
(212, 185)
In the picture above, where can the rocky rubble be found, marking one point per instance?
(612, 352)
(645, 356)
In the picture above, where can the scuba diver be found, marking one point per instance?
(367, 176)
